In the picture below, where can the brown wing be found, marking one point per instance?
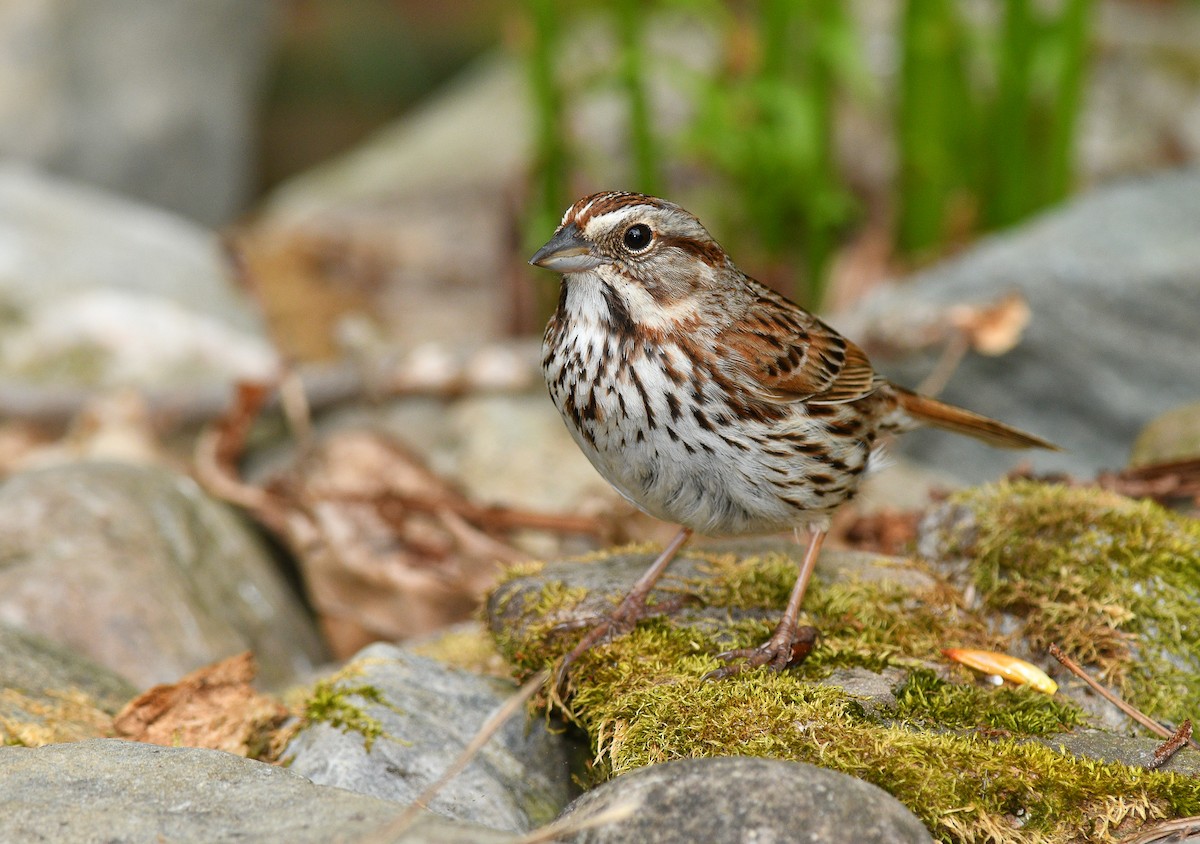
(787, 354)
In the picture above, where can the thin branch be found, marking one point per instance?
(1134, 713)
(569, 827)
(1179, 829)
(507, 710)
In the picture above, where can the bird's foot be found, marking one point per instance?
(787, 646)
(605, 628)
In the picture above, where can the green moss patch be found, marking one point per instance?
(971, 761)
(958, 755)
(338, 701)
(1116, 583)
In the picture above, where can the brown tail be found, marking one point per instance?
(941, 415)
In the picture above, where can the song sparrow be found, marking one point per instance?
(707, 399)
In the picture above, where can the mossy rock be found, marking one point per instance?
(1174, 435)
(974, 763)
(1114, 582)
(48, 694)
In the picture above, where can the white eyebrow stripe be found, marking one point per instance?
(615, 219)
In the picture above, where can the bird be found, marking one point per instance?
(709, 400)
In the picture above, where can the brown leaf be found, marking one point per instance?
(387, 547)
(213, 707)
(994, 328)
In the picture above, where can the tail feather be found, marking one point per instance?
(929, 411)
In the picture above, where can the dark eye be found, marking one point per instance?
(637, 237)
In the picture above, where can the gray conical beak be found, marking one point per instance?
(566, 252)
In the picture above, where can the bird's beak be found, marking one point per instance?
(566, 252)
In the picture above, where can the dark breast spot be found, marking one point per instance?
(673, 406)
(619, 319)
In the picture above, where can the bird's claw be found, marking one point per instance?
(782, 650)
(605, 628)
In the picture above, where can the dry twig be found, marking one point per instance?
(1132, 711)
(1178, 830)
(1164, 752)
(507, 710)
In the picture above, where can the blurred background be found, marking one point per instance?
(831, 145)
(999, 199)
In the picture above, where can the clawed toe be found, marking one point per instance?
(605, 628)
(779, 652)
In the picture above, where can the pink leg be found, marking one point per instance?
(777, 652)
(627, 613)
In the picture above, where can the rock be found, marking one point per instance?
(372, 232)
(1113, 283)
(875, 699)
(1114, 582)
(79, 269)
(1174, 435)
(598, 581)
(874, 691)
(49, 694)
(745, 799)
(155, 101)
(1128, 750)
(453, 142)
(139, 570)
(91, 792)
(393, 722)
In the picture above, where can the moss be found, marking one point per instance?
(528, 568)
(50, 718)
(1111, 580)
(925, 700)
(468, 647)
(1086, 569)
(864, 624)
(957, 755)
(527, 649)
(329, 702)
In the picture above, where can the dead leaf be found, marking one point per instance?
(993, 328)
(380, 539)
(388, 549)
(214, 707)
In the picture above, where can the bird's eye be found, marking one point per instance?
(637, 237)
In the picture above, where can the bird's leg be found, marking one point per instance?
(787, 644)
(627, 613)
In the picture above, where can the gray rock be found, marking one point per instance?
(139, 570)
(455, 142)
(99, 291)
(1136, 751)
(393, 203)
(874, 690)
(1113, 284)
(608, 579)
(428, 713)
(50, 694)
(743, 799)
(153, 100)
(106, 791)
